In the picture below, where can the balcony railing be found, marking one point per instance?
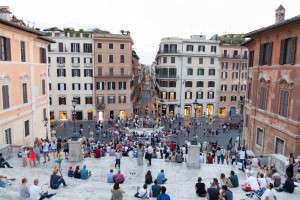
(168, 51)
(114, 75)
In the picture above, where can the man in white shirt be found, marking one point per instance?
(35, 190)
(269, 193)
(149, 154)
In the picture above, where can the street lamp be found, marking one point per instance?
(45, 121)
(195, 103)
(74, 103)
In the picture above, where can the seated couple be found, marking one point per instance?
(115, 178)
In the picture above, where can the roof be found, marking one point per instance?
(274, 26)
(26, 29)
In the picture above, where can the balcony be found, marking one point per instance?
(163, 76)
(61, 64)
(168, 51)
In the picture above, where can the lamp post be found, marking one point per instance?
(46, 126)
(74, 103)
(195, 103)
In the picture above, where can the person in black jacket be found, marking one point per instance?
(3, 162)
(77, 172)
(56, 180)
(148, 178)
(200, 188)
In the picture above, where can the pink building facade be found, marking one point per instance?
(23, 82)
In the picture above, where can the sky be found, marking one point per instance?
(150, 20)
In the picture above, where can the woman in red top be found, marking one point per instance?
(31, 157)
(210, 159)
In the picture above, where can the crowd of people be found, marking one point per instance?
(148, 146)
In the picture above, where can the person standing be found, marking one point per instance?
(242, 154)
(46, 151)
(32, 162)
(118, 159)
(117, 192)
(149, 154)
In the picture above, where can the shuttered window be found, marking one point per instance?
(288, 51)
(5, 51)
(43, 58)
(22, 51)
(5, 96)
(263, 98)
(25, 96)
(265, 54)
(26, 128)
(283, 103)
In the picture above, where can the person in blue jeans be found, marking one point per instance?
(163, 195)
(56, 180)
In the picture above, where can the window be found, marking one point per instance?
(43, 86)
(224, 75)
(283, 103)
(189, 48)
(60, 60)
(50, 101)
(279, 146)
(110, 45)
(211, 84)
(22, 51)
(99, 45)
(8, 138)
(188, 95)
(122, 99)
(224, 88)
(122, 46)
(235, 54)
(173, 48)
(76, 86)
(75, 60)
(60, 47)
(263, 98)
(43, 58)
(225, 55)
(122, 71)
(122, 59)
(199, 84)
(49, 60)
(201, 60)
(213, 49)
(172, 72)
(87, 48)
(190, 72)
(265, 54)
(99, 85)
(172, 59)
(100, 100)
(234, 87)
(245, 56)
(45, 113)
(88, 72)
(50, 86)
(211, 72)
(222, 98)
(111, 99)
(77, 99)
(210, 95)
(5, 51)
(201, 48)
(188, 84)
(189, 60)
(111, 58)
(88, 86)
(212, 61)
(61, 72)
(62, 101)
(25, 96)
(122, 85)
(172, 84)
(247, 120)
(251, 58)
(199, 95)
(111, 71)
(164, 59)
(75, 72)
(99, 58)
(26, 128)
(88, 60)
(75, 47)
(224, 65)
(288, 51)
(111, 85)
(233, 98)
(200, 71)
(88, 100)
(259, 136)
(61, 86)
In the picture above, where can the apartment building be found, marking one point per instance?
(233, 79)
(113, 75)
(71, 72)
(272, 111)
(187, 76)
(23, 81)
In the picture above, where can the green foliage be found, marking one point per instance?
(232, 39)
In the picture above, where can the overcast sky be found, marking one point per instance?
(150, 20)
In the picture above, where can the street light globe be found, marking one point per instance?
(74, 102)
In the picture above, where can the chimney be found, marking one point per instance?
(5, 13)
(279, 14)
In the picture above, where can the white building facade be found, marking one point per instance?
(187, 76)
(71, 75)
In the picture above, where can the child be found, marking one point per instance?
(70, 172)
